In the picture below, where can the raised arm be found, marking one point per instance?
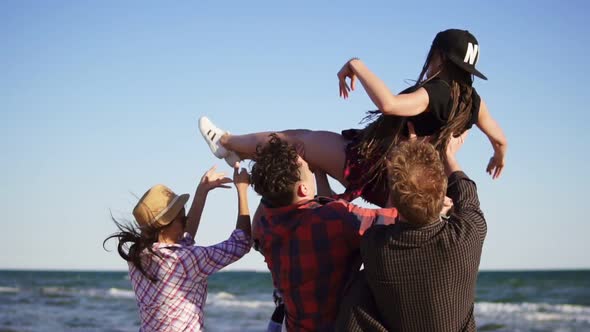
(462, 190)
(242, 180)
(490, 127)
(211, 259)
(402, 105)
(256, 230)
(210, 180)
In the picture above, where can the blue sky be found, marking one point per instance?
(99, 100)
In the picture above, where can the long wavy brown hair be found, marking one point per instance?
(385, 132)
(132, 241)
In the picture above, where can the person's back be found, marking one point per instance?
(312, 252)
(423, 279)
(311, 246)
(422, 271)
(175, 301)
(167, 271)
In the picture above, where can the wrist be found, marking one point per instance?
(353, 62)
(201, 191)
(499, 151)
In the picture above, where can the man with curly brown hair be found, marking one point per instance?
(311, 244)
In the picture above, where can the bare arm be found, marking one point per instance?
(463, 190)
(402, 105)
(241, 180)
(492, 130)
(195, 212)
(210, 180)
(256, 223)
(323, 185)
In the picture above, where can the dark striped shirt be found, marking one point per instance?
(423, 279)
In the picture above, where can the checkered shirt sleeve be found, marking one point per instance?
(204, 261)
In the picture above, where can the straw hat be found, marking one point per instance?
(158, 206)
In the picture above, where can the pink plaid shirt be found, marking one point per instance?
(175, 302)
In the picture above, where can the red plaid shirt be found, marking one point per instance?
(175, 302)
(312, 251)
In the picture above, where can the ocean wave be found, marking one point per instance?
(533, 311)
(121, 293)
(88, 292)
(59, 291)
(229, 301)
(9, 290)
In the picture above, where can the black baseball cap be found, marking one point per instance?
(461, 47)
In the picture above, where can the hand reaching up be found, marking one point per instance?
(241, 178)
(495, 166)
(212, 179)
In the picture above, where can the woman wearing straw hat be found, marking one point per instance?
(168, 272)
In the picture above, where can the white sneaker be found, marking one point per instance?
(212, 134)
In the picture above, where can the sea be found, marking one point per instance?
(242, 301)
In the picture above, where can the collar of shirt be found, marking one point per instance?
(412, 234)
(185, 241)
(271, 211)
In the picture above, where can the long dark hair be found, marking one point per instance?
(384, 132)
(132, 241)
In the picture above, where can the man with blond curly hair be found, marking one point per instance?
(420, 273)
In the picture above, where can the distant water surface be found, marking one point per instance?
(242, 301)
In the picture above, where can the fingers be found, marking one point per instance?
(448, 201)
(411, 131)
(240, 174)
(224, 180)
(221, 183)
(497, 172)
(211, 170)
(343, 86)
(343, 89)
(495, 168)
(490, 166)
(244, 174)
(236, 169)
(215, 177)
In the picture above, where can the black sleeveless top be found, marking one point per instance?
(439, 107)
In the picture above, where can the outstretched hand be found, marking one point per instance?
(241, 177)
(212, 179)
(344, 73)
(495, 166)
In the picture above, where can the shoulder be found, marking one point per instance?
(438, 90)
(340, 210)
(340, 205)
(476, 103)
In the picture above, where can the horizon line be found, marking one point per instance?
(267, 271)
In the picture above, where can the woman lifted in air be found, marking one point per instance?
(442, 103)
